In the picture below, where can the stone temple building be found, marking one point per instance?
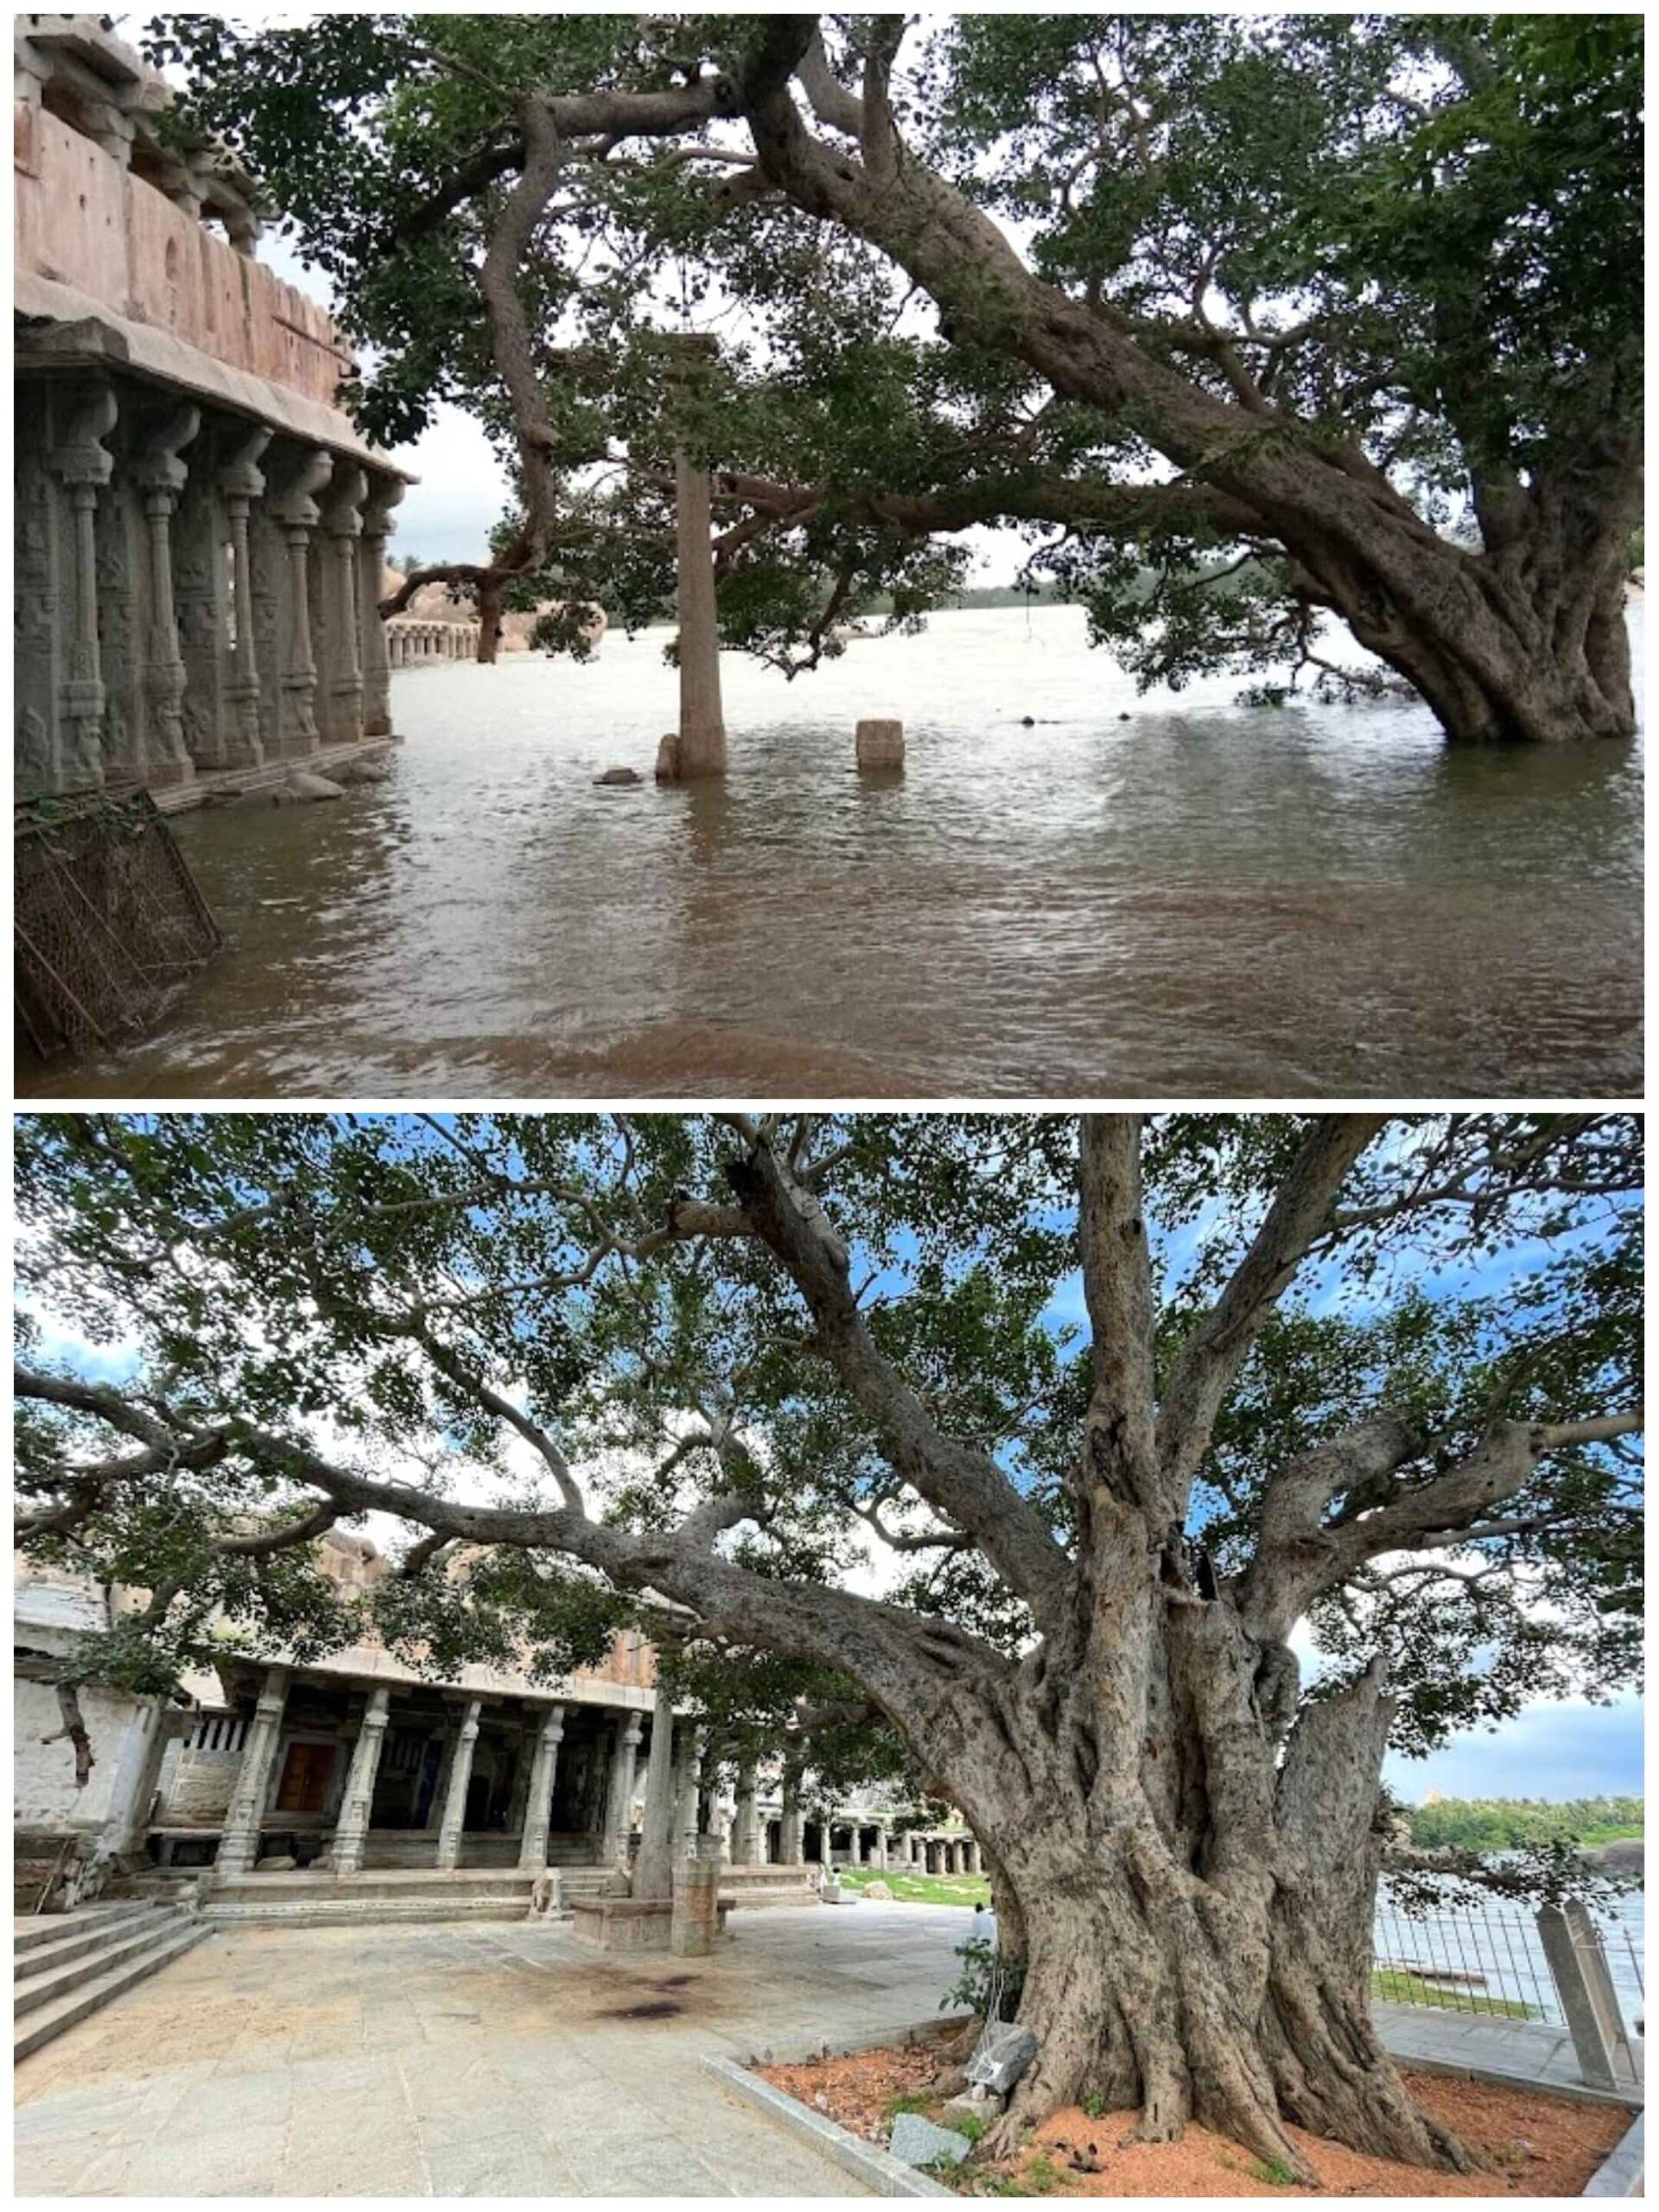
(199, 530)
(354, 1787)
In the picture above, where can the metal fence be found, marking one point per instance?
(1485, 1961)
(1491, 1959)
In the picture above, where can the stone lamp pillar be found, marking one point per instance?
(788, 1829)
(744, 1853)
(691, 1791)
(698, 748)
(653, 1869)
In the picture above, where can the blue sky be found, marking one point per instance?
(1550, 1750)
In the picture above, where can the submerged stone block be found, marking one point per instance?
(880, 744)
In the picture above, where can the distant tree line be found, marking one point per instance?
(1511, 1823)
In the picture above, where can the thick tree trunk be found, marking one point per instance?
(491, 606)
(1197, 1918)
(1547, 667)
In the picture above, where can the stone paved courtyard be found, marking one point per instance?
(506, 2060)
(495, 2060)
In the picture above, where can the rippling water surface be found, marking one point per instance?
(1134, 897)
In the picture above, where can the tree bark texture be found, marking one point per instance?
(1196, 1922)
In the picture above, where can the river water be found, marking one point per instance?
(1158, 897)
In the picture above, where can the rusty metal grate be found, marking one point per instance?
(107, 920)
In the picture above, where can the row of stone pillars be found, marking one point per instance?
(193, 591)
(421, 644)
(239, 1847)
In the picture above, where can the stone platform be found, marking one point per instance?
(622, 1923)
(215, 787)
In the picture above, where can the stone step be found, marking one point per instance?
(45, 1984)
(41, 1930)
(356, 1912)
(76, 1940)
(41, 2025)
(390, 1882)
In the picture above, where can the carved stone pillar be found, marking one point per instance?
(297, 514)
(238, 1843)
(620, 1815)
(538, 1803)
(460, 1775)
(352, 1826)
(690, 1791)
(744, 1853)
(41, 583)
(384, 492)
(789, 1828)
(241, 482)
(84, 467)
(204, 597)
(342, 711)
(160, 477)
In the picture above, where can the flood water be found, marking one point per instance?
(1157, 896)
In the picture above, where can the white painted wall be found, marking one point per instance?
(44, 1794)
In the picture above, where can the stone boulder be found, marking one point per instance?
(668, 758)
(282, 1864)
(303, 786)
(878, 1890)
(915, 2141)
(370, 768)
(620, 776)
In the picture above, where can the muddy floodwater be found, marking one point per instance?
(1146, 897)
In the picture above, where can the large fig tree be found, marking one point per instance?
(1133, 1409)
(1252, 322)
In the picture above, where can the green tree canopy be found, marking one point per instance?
(1267, 307)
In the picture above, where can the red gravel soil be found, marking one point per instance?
(1538, 2145)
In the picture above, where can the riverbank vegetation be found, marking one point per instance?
(1511, 1823)
(1355, 299)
